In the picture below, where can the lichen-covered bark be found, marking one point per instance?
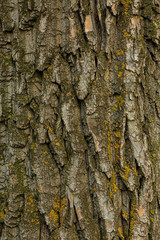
(79, 119)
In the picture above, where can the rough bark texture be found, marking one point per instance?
(79, 119)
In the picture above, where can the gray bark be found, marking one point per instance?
(79, 119)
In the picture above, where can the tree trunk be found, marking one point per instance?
(79, 119)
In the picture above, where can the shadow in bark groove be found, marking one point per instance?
(44, 229)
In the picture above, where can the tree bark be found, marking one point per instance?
(79, 119)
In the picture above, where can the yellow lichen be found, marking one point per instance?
(119, 52)
(152, 118)
(152, 211)
(126, 4)
(151, 219)
(113, 186)
(53, 217)
(57, 212)
(2, 215)
(126, 172)
(56, 204)
(116, 67)
(125, 34)
(45, 152)
(50, 129)
(120, 74)
(124, 214)
(120, 101)
(115, 107)
(31, 211)
(117, 134)
(94, 82)
(123, 65)
(50, 68)
(120, 232)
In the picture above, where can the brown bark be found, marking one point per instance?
(79, 119)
